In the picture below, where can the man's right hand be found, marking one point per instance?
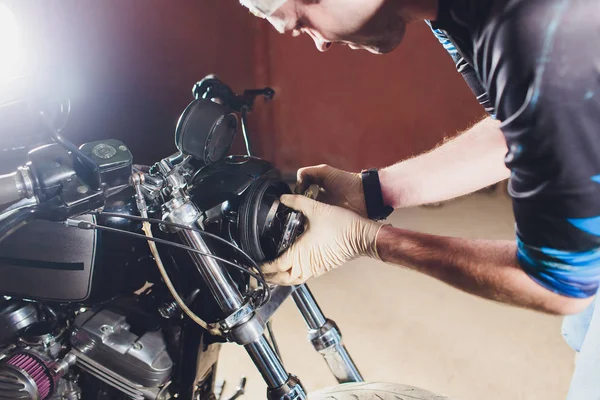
(336, 187)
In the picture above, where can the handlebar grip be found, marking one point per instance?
(15, 186)
(9, 191)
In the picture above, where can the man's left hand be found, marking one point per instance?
(333, 236)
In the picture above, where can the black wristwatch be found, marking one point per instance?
(376, 209)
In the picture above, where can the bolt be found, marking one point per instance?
(168, 310)
(83, 189)
(106, 329)
(122, 148)
(138, 346)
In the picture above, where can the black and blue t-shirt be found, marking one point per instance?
(535, 66)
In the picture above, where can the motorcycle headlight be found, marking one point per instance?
(266, 227)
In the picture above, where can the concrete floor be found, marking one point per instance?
(403, 327)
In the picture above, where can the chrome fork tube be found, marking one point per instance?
(269, 365)
(310, 310)
(326, 337)
(249, 333)
(220, 283)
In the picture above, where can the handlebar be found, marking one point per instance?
(9, 192)
(61, 185)
(15, 186)
(212, 88)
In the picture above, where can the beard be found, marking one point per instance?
(381, 34)
(384, 45)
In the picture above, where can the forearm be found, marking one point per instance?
(470, 162)
(488, 269)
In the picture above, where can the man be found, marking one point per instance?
(534, 65)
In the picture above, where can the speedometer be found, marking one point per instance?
(206, 131)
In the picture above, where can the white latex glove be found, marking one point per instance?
(332, 237)
(336, 187)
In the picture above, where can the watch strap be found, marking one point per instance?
(376, 209)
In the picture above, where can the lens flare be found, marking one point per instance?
(10, 45)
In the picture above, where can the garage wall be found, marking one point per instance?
(356, 110)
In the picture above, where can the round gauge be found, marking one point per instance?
(104, 151)
(221, 137)
(206, 131)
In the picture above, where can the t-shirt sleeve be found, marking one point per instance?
(540, 62)
(465, 69)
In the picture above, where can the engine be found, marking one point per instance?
(105, 347)
(46, 358)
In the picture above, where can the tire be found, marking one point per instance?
(374, 391)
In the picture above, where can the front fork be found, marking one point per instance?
(243, 325)
(246, 327)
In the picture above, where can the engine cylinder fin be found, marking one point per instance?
(134, 394)
(107, 376)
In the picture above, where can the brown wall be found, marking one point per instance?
(355, 110)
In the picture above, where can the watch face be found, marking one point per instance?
(104, 151)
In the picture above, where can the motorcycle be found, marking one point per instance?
(120, 281)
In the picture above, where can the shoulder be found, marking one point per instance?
(443, 38)
(536, 24)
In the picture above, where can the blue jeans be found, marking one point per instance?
(582, 333)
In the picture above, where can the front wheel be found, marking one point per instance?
(374, 391)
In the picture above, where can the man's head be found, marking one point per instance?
(374, 25)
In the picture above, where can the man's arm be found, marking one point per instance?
(484, 268)
(470, 162)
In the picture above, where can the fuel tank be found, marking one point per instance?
(48, 261)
